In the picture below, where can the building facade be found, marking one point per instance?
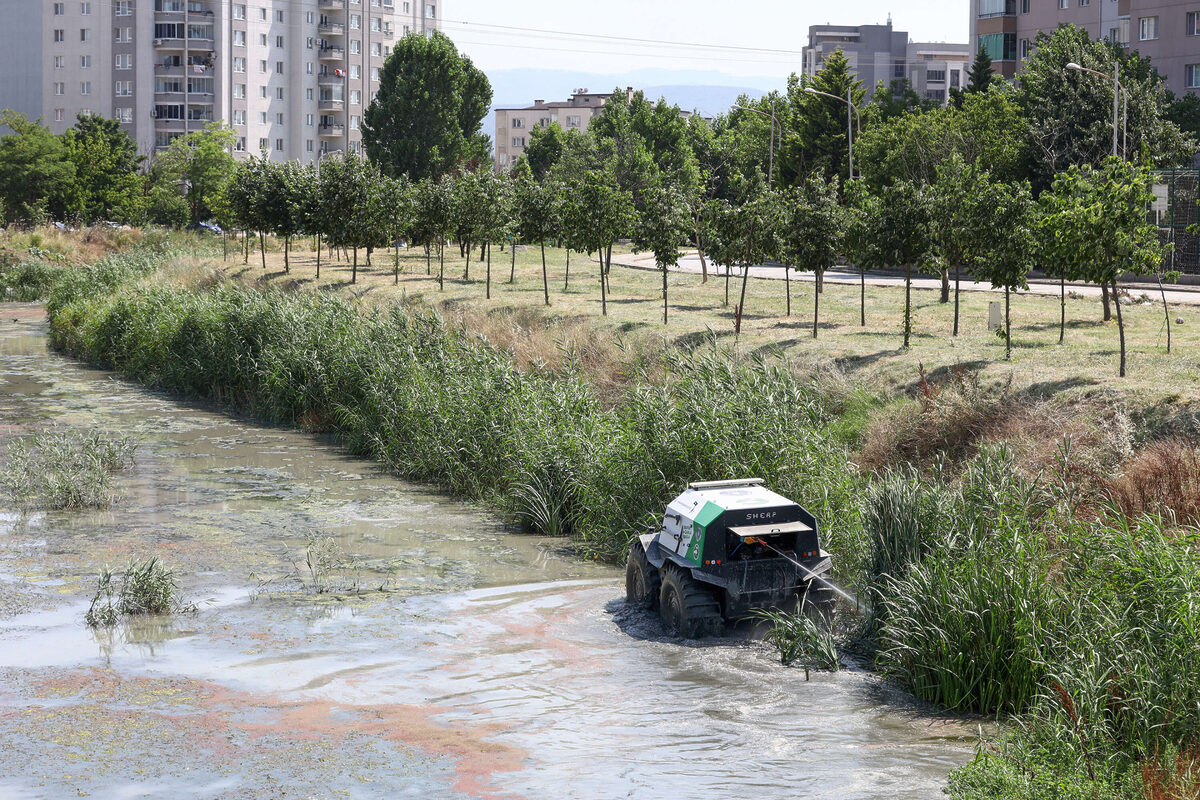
(513, 125)
(880, 54)
(1165, 31)
(292, 78)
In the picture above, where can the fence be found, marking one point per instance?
(1174, 210)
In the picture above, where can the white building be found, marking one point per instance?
(291, 77)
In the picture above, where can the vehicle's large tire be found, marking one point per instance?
(688, 608)
(642, 581)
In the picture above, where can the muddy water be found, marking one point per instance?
(469, 661)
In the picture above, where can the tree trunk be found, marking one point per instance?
(489, 270)
(700, 251)
(907, 304)
(1166, 311)
(370, 250)
(821, 280)
(567, 279)
(1007, 327)
(1120, 324)
(467, 271)
(224, 245)
(441, 266)
(603, 294)
(945, 285)
(816, 311)
(1062, 302)
(1104, 301)
(545, 276)
(787, 282)
(726, 285)
(862, 297)
(396, 263)
(246, 247)
(741, 306)
(957, 283)
(512, 271)
(608, 269)
(262, 248)
(354, 272)
(428, 258)
(664, 269)
(318, 256)
(287, 252)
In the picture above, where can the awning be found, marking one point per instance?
(766, 530)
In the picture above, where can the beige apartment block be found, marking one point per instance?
(881, 54)
(1165, 31)
(513, 125)
(291, 77)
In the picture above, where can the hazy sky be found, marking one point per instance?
(731, 31)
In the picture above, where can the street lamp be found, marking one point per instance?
(849, 120)
(771, 149)
(1119, 91)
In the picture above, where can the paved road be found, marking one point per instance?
(691, 263)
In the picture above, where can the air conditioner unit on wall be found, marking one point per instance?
(158, 42)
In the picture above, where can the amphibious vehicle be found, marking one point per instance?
(723, 550)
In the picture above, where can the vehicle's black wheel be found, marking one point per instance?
(688, 608)
(642, 582)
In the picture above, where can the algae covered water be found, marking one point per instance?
(467, 661)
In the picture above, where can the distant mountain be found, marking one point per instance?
(708, 92)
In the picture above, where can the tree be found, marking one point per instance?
(197, 165)
(755, 235)
(1071, 113)
(246, 193)
(903, 235)
(813, 232)
(662, 229)
(1067, 244)
(496, 223)
(37, 176)
(956, 227)
(398, 213)
(545, 148)
(862, 213)
(468, 210)
(349, 189)
(431, 219)
(426, 119)
(108, 184)
(1005, 254)
(286, 187)
(539, 208)
(979, 77)
(895, 99)
(814, 130)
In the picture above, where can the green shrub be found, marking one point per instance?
(146, 587)
(29, 280)
(65, 469)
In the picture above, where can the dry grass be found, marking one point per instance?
(85, 246)
(1162, 478)
(1175, 778)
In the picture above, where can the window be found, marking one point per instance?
(239, 38)
(85, 112)
(1024, 6)
(239, 64)
(309, 68)
(278, 67)
(308, 93)
(310, 43)
(1062, 3)
(279, 145)
(262, 14)
(262, 118)
(310, 18)
(200, 31)
(239, 12)
(355, 72)
(355, 47)
(85, 34)
(407, 9)
(355, 22)
(997, 8)
(124, 61)
(124, 8)
(1192, 28)
(376, 49)
(60, 9)
(85, 9)
(1191, 74)
(123, 34)
(262, 65)
(518, 141)
(308, 145)
(354, 123)
(308, 120)
(999, 46)
(60, 35)
(262, 39)
(355, 97)
(431, 10)
(239, 117)
(123, 115)
(168, 86)
(279, 118)
(279, 41)
(60, 88)
(1147, 28)
(936, 75)
(263, 144)
(239, 91)
(262, 92)
(85, 62)
(199, 85)
(573, 121)
(374, 73)
(60, 62)
(123, 89)
(85, 87)
(279, 16)
(240, 144)
(936, 95)
(376, 24)
(1085, 2)
(1026, 48)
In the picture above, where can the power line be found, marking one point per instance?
(458, 40)
(655, 42)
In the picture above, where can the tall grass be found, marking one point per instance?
(145, 587)
(64, 469)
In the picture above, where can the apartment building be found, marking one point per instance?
(292, 77)
(1166, 31)
(880, 54)
(514, 124)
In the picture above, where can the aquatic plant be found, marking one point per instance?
(65, 469)
(801, 639)
(145, 587)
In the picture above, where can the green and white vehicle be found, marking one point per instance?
(724, 549)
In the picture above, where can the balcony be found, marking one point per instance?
(331, 54)
(331, 29)
(331, 130)
(329, 79)
(331, 105)
(203, 45)
(331, 5)
(180, 70)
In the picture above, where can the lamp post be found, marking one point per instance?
(850, 107)
(1118, 91)
(771, 148)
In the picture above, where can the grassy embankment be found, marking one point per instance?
(1024, 554)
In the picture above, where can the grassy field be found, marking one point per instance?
(872, 355)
